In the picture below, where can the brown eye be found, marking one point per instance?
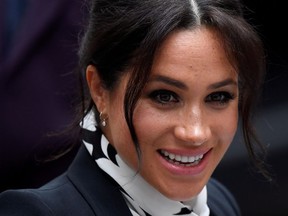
(221, 98)
(164, 96)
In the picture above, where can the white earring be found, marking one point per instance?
(102, 120)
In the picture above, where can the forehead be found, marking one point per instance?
(199, 42)
(199, 50)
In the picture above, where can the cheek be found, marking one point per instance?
(149, 124)
(227, 127)
(119, 134)
(123, 143)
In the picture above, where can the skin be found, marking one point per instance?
(188, 107)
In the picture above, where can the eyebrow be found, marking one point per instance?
(223, 83)
(169, 81)
(181, 85)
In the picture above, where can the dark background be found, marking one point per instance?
(254, 194)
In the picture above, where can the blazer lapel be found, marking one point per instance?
(99, 189)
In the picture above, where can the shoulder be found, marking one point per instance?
(22, 202)
(220, 200)
(54, 198)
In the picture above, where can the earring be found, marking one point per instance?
(102, 120)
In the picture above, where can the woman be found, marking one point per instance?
(166, 83)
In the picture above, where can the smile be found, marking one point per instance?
(182, 160)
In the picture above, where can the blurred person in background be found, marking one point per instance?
(38, 53)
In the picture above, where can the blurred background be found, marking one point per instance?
(38, 55)
(255, 195)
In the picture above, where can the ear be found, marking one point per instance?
(97, 92)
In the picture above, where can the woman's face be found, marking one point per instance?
(186, 117)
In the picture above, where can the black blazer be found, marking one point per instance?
(86, 190)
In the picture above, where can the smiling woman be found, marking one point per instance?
(188, 107)
(166, 84)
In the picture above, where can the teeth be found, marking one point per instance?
(181, 158)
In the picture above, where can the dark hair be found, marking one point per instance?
(124, 34)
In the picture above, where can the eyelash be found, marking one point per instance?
(222, 98)
(159, 94)
(166, 97)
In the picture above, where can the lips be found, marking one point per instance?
(182, 160)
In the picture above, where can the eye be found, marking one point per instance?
(164, 96)
(219, 98)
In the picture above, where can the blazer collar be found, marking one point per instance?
(99, 189)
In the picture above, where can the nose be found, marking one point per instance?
(193, 131)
